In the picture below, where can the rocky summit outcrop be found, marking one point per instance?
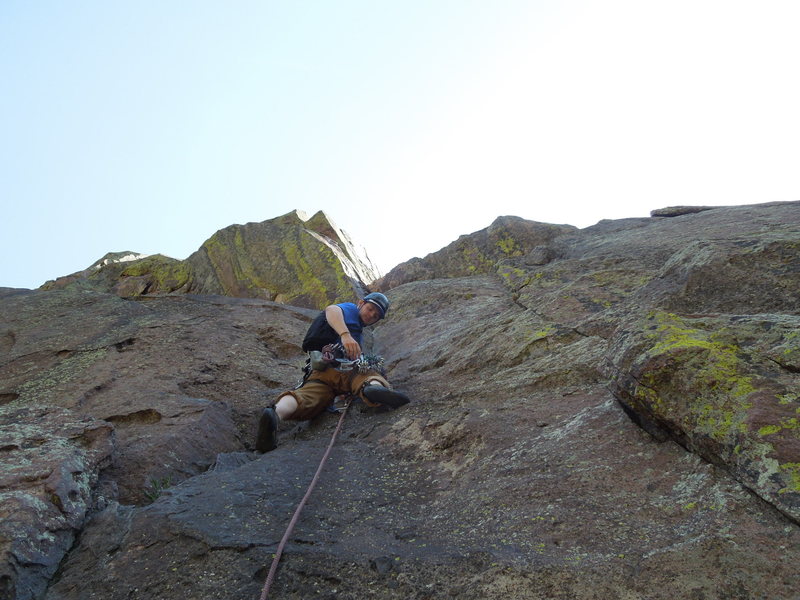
(508, 238)
(291, 259)
(604, 413)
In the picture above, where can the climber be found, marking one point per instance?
(336, 366)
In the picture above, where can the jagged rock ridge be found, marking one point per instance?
(290, 259)
(597, 413)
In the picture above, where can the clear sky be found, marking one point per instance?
(149, 125)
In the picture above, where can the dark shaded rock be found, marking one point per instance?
(5, 292)
(173, 378)
(51, 459)
(677, 211)
(158, 370)
(180, 437)
(739, 274)
(230, 461)
(540, 255)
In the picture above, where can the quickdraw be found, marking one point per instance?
(334, 356)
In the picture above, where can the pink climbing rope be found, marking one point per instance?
(274, 567)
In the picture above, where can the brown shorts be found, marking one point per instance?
(322, 387)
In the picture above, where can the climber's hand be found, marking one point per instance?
(351, 346)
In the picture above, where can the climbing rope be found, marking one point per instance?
(274, 567)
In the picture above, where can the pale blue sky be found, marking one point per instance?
(148, 126)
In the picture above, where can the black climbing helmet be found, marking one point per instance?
(379, 300)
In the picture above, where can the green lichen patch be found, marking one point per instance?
(475, 261)
(509, 246)
(513, 277)
(302, 259)
(793, 472)
(788, 353)
(703, 380)
(284, 262)
(791, 424)
(166, 274)
(619, 281)
(701, 372)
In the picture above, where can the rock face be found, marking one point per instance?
(305, 262)
(725, 387)
(508, 238)
(105, 400)
(599, 413)
(677, 211)
(128, 274)
(52, 459)
(290, 259)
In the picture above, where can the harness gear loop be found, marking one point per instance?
(274, 567)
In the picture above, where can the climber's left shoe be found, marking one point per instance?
(267, 436)
(377, 394)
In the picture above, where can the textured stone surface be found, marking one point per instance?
(173, 378)
(507, 476)
(726, 387)
(589, 419)
(128, 274)
(697, 317)
(480, 252)
(309, 263)
(50, 460)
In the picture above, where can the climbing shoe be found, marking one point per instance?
(377, 394)
(267, 437)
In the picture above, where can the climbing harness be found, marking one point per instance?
(274, 567)
(334, 356)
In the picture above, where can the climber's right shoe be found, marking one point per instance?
(377, 394)
(267, 436)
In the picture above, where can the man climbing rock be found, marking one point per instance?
(336, 366)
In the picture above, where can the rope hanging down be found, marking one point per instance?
(274, 568)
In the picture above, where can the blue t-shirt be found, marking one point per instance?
(320, 333)
(352, 319)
